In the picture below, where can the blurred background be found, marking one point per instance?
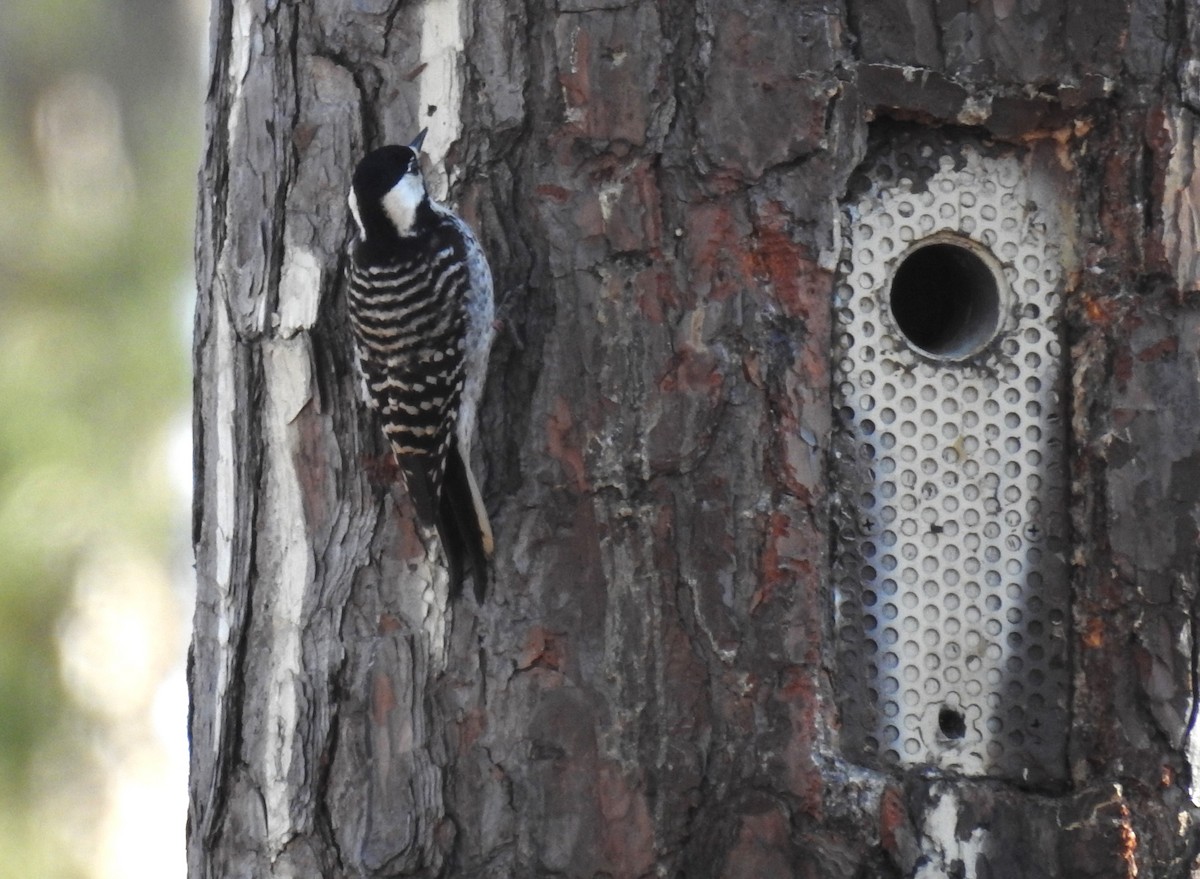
(100, 138)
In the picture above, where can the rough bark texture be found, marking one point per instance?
(649, 688)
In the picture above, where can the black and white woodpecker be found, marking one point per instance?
(421, 307)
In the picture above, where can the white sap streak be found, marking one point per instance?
(941, 842)
(1192, 752)
(225, 503)
(434, 609)
(441, 85)
(288, 377)
(610, 194)
(242, 18)
(239, 54)
(299, 290)
(1181, 208)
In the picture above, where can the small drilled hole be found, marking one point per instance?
(945, 300)
(952, 723)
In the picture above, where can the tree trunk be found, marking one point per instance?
(680, 670)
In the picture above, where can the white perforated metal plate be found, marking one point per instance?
(949, 562)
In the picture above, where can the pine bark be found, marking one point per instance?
(650, 688)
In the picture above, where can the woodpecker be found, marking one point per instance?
(421, 308)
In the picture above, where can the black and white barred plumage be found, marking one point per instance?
(420, 303)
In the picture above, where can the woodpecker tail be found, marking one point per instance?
(423, 484)
(450, 502)
(463, 526)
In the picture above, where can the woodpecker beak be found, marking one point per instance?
(415, 146)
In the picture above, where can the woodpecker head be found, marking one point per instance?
(387, 191)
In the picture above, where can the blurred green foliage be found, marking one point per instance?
(100, 132)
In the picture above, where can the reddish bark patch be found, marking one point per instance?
(587, 216)
(773, 573)
(553, 192)
(409, 544)
(1122, 368)
(542, 649)
(720, 264)
(655, 294)
(608, 65)
(1159, 350)
(761, 848)
(694, 371)
(1120, 217)
(1100, 312)
(777, 259)
(563, 445)
(1102, 840)
(737, 698)
(752, 368)
(757, 83)
(1143, 662)
(383, 698)
(686, 405)
(663, 529)
(791, 570)
(303, 136)
(798, 690)
(1127, 842)
(381, 469)
(787, 555)
(470, 728)
(575, 78)
(627, 832)
(630, 207)
(1157, 134)
(893, 820)
(312, 469)
(798, 284)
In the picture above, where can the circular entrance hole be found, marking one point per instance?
(945, 300)
(952, 723)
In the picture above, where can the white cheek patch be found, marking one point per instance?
(352, 200)
(401, 202)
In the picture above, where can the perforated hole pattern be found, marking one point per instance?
(950, 576)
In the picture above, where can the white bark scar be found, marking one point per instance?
(225, 504)
(288, 379)
(441, 85)
(239, 62)
(941, 840)
(299, 290)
